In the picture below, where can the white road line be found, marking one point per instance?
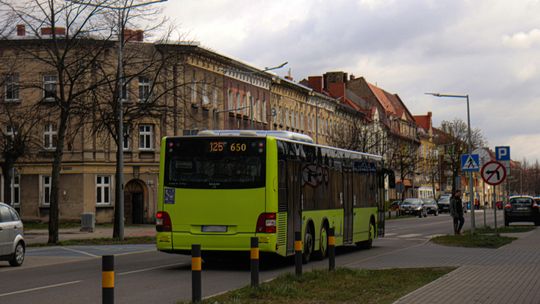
(80, 251)
(409, 235)
(390, 234)
(151, 268)
(39, 288)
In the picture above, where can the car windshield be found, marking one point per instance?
(428, 200)
(413, 201)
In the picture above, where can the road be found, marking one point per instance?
(73, 274)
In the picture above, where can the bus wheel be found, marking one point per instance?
(308, 245)
(323, 244)
(369, 243)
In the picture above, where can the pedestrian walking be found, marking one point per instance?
(456, 211)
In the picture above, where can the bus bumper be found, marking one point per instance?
(182, 241)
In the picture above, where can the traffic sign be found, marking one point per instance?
(502, 153)
(470, 162)
(493, 173)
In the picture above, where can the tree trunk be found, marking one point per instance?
(7, 170)
(55, 178)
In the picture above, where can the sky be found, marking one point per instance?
(487, 49)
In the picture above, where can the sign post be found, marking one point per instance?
(471, 163)
(494, 173)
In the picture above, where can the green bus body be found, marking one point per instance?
(305, 187)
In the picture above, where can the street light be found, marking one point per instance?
(119, 181)
(469, 149)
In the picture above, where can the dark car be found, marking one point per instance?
(521, 209)
(395, 205)
(413, 206)
(431, 206)
(444, 203)
(12, 245)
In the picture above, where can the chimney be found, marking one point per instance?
(21, 30)
(139, 35)
(289, 75)
(336, 89)
(47, 31)
(429, 114)
(352, 77)
(316, 83)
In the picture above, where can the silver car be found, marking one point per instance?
(12, 246)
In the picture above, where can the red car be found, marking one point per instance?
(499, 205)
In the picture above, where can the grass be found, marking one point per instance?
(103, 241)
(340, 286)
(483, 237)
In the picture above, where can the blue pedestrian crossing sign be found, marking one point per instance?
(470, 162)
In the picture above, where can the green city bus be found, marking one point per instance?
(220, 188)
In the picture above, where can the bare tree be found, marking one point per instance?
(66, 40)
(457, 144)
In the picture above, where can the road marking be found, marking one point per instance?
(80, 251)
(152, 268)
(390, 234)
(409, 235)
(39, 288)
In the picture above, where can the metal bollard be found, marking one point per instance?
(254, 255)
(196, 289)
(107, 279)
(298, 252)
(331, 250)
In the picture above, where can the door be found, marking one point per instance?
(348, 205)
(294, 208)
(7, 228)
(137, 212)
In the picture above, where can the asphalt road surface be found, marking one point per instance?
(72, 274)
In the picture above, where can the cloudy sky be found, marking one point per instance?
(489, 49)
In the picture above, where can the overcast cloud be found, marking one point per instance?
(485, 48)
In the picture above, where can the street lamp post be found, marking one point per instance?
(119, 181)
(469, 150)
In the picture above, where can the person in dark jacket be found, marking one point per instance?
(456, 211)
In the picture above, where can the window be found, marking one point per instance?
(12, 88)
(124, 92)
(50, 137)
(215, 98)
(194, 93)
(11, 131)
(49, 87)
(127, 132)
(103, 190)
(15, 187)
(45, 190)
(205, 98)
(144, 88)
(146, 137)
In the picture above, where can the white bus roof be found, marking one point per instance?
(280, 134)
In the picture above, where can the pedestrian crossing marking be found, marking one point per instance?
(470, 162)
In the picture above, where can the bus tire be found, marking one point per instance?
(371, 233)
(323, 243)
(308, 245)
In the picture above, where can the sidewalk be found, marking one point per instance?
(506, 275)
(41, 236)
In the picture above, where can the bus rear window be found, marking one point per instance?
(215, 163)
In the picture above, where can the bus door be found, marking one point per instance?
(294, 197)
(348, 205)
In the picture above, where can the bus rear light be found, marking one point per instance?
(163, 222)
(266, 223)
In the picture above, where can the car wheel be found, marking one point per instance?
(323, 244)
(420, 214)
(18, 256)
(436, 212)
(308, 246)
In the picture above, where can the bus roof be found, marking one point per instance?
(280, 134)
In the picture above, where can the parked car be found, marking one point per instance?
(12, 246)
(499, 205)
(444, 203)
(413, 206)
(395, 205)
(431, 206)
(521, 208)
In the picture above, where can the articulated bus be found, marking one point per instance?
(220, 188)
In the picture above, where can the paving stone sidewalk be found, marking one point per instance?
(510, 274)
(40, 236)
